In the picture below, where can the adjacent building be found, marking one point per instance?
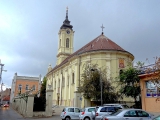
(150, 90)
(65, 77)
(5, 96)
(22, 84)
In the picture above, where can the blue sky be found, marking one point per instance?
(29, 30)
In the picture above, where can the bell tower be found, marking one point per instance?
(65, 42)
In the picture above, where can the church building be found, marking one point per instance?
(64, 78)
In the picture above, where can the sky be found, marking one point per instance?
(29, 30)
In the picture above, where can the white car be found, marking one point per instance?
(70, 113)
(86, 113)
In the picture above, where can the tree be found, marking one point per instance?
(43, 88)
(40, 102)
(91, 80)
(129, 83)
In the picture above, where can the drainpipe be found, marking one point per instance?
(61, 86)
(79, 69)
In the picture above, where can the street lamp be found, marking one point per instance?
(100, 84)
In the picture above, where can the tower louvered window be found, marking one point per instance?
(67, 43)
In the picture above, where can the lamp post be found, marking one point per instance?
(100, 84)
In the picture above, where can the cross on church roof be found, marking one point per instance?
(102, 27)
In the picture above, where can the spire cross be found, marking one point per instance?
(102, 27)
(67, 12)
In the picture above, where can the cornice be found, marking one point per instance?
(67, 54)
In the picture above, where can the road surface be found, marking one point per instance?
(7, 113)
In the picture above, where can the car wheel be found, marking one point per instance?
(86, 118)
(67, 118)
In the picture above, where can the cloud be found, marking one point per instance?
(29, 30)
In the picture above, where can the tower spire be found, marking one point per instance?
(67, 13)
(66, 22)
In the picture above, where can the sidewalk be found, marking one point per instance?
(58, 110)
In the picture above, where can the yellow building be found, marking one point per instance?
(65, 77)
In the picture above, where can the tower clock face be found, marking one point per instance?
(68, 32)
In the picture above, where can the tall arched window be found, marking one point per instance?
(72, 78)
(120, 72)
(60, 43)
(63, 81)
(67, 43)
(55, 85)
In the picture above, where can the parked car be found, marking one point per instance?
(86, 113)
(156, 118)
(129, 114)
(69, 113)
(123, 106)
(5, 105)
(104, 110)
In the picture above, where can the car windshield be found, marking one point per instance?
(125, 106)
(157, 118)
(91, 109)
(116, 112)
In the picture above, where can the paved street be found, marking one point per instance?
(10, 114)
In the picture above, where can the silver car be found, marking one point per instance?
(156, 118)
(129, 114)
(123, 106)
(86, 113)
(104, 110)
(70, 113)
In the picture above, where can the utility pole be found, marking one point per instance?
(1, 69)
(1, 84)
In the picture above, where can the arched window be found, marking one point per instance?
(68, 81)
(60, 43)
(55, 85)
(120, 72)
(58, 83)
(67, 43)
(72, 78)
(63, 81)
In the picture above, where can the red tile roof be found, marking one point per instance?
(99, 43)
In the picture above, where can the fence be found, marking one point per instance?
(24, 105)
